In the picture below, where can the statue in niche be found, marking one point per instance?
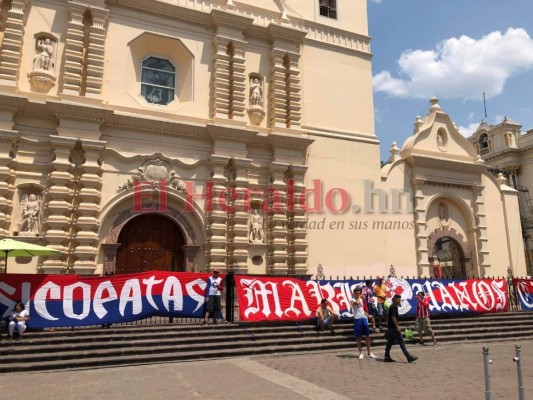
(30, 206)
(255, 225)
(256, 92)
(43, 57)
(442, 211)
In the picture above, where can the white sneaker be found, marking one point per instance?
(371, 355)
(361, 356)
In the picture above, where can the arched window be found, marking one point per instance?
(158, 81)
(483, 141)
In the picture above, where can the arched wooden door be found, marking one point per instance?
(150, 242)
(451, 258)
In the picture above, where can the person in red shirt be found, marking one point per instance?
(422, 317)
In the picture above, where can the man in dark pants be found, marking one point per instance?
(394, 332)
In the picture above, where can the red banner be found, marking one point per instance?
(289, 299)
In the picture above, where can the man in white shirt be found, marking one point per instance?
(360, 326)
(213, 293)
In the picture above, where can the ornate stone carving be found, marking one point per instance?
(30, 213)
(256, 231)
(255, 99)
(442, 140)
(42, 77)
(154, 171)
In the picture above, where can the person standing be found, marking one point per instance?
(422, 317)
(213, 293)
(380, 291)
(325, 316)
(394, 332)
(368, 297)
(18, 320)
(360, 325)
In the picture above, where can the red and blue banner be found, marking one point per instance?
(72, 300)
(524, 292)
(289, 299)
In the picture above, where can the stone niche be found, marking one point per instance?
(43, 74)
(29, 218)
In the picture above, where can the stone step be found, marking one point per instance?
(124, 345)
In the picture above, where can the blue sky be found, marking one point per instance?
(455, 50)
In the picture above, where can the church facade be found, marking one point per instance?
(189, 135)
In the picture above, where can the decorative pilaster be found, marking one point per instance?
(278, 90)
(110, 257)
(11, 48)
(238, 247)
(58, 206)
(88, 208)
(422, 251)
(481, 231)
(229, 77)
(96, 53)
(294, 95)
(8, 140)
(221, 79)
(216, 218)
(74, 45)
(285, 85)
(276, 220)
(297, 231)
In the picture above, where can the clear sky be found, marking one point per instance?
(454, 50)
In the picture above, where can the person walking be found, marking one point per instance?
(213, 293)
(422, 317)
(394, 332)
(360, 325)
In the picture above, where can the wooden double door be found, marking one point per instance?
(150, 242)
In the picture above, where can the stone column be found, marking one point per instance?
(277, 220)
(220, 102)
(278, 89)
(110, 257)
(297, 229)
(58, 206)
(294, 95)
(422, 251)
(96, 52)
(74, 47)
(88, 208)
(11, 47)
(216, 218)
(481, 231)
(8, 140)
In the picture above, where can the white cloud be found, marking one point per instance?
(460, 67)
(377, 1)
(471, 116)
(469, 130)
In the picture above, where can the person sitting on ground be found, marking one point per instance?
(18, 320)
(360, 326)
(325, 316)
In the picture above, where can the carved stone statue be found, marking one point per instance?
(30, 206)
(256, 92)
(255, 226)
(44, 55)
(442, 210)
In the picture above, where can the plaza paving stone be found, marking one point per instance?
(448, 371)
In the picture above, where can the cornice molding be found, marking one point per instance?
(220, 132)
(78, 112)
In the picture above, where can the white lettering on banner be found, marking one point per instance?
(131, 292)
(48, 291)
(198, 297)
(149, 283)
(5, 300)
(172, 292)
(68, 300)
(99, 301)
(483, 295)
(448, 302)
(296, 296)
(344, 296)
(314, 290)
(257, 294)
(499, 289)
(463, 296)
